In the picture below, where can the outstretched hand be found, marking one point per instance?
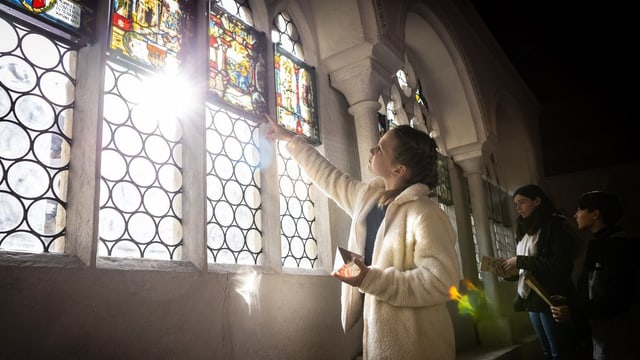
(353, 279)
(276, 132)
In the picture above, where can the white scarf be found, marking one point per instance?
(526, 247)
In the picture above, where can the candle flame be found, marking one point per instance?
(468, 303)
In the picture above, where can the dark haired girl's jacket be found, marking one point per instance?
(551, 266)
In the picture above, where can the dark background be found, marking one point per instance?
(578, 60)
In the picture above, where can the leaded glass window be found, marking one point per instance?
(285, 35)
(141, 169)
(501, 232)
(443, 189)
(295, 106)
(37, 80)
(140, 213)
(234, 194)
(234, 199)
(237, 70)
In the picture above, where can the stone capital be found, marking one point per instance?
(364, 80)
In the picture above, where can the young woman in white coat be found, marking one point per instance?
(410, 261)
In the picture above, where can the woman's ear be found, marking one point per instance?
(399, 171)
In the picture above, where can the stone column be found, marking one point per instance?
(362, 83)
(366, 121)
(493, 330)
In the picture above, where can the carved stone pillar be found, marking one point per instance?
(362, 83)
(493, 330)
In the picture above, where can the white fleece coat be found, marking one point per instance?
(413, 266)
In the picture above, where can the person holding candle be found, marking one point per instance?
(545, 252)
(607, 284)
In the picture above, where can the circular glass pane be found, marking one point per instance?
(127, 140)
(223, 213)
(113, 167)
(156, 202)
(130, 87)
(17, 74)
(244, 173)
(170, 177)
(215, 236)
(69, 62)
(51, 150)
(233, 148)
(57, 88)
(28, 179)
(223, 124)
(214, 142)
(5, 102)
(115, 109)
(34, 112)
(22, 241)
(126, 196)
(112, 224)
(170, 230)
(141, 227)
(142, 171)
(288, 226)
(214, 188)
(233, 192)
(40, 51)
(60, 181)
(235, 239)
(157, 149)
(244, 217)
(223, 167)
(9, 37)
(14, 141)
(46, 217)
(252, 197)
(141, 119)
(254, 240)
(12, 212)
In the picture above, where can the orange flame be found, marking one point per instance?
(467, 304)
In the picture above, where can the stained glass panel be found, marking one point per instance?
(149, 32)
(74, 17)
(237, 75)
(443, 189)
(295, 95)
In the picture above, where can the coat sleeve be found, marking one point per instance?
(613, 282)
(556, 254)
(435, 267)
(338, 186)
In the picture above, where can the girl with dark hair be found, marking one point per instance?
(545, 251)
(401, 287)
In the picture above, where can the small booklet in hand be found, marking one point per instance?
(343, 263)
(488, 263)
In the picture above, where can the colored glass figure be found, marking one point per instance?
(420, 96)
(149, 32)
(236, 63)
(443, 189)
(295, 95)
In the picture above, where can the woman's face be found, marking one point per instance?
(381, 162)
(525, 206)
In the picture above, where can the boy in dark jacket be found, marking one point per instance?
(606, 286)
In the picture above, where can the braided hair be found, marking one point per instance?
(417, 151)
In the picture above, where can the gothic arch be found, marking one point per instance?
(445, 79)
